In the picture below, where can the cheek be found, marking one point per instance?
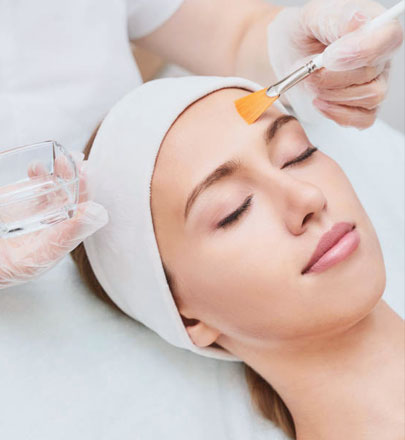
(243, 285)
(344, 204)
(339, 191)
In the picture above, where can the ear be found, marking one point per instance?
(200, 333)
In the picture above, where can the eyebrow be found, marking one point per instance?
(231, 167)
(276, 125)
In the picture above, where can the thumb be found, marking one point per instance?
(340, 53)
(363, 47)
(90, 217)
(357, 20)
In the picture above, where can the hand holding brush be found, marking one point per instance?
(355, 55)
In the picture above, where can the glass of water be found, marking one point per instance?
(39, 187)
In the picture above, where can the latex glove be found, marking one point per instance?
(354, 81)
(28, 256)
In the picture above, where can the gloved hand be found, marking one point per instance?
(28, 256)
(355, 78)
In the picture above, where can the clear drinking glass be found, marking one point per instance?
(39, 187)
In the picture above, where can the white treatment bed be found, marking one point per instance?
(72, 368)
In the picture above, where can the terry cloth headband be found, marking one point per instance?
(124, 254)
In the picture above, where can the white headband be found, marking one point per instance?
(124, 254)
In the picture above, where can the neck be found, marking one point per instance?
(349, 385)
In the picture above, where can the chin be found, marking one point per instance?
(378, 283)
(368, 293)
(366, 271)
(356, 297)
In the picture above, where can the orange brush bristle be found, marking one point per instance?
(252, 106)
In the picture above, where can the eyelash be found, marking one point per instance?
(307, 153)
(227, 221)
(236, 214)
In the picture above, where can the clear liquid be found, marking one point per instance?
(34, 204)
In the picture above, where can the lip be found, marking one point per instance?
(334, 246)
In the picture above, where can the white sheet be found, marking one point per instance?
(72, 368)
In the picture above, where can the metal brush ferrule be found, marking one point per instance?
(292, 79)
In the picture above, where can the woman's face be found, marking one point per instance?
(238, 246)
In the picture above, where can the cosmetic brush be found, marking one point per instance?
(252, 106)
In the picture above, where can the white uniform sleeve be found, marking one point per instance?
(144, 16)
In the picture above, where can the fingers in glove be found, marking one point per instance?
(364, 47)
(328, 79)
(81, 165)
(345, 115)
(37, 169)
(83, 182)
(39, 174)
(54, 243)
(64, 168)
(367, 96)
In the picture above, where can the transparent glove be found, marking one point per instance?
(354, 81)
(28, 256)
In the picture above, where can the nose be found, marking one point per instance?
(303, 202)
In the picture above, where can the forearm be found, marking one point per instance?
(217, 37)
(252, 57)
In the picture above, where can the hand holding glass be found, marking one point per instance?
(44, 211)
(39, 187)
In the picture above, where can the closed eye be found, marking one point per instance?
(234, 216)
(307, 153)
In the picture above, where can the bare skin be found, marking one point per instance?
(347, 385)
(327, 343)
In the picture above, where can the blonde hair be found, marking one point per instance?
(264, 396)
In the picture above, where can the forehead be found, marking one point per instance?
(205, 135)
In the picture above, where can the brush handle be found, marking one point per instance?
(386, 16)
(290, 81)
(389, 14)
